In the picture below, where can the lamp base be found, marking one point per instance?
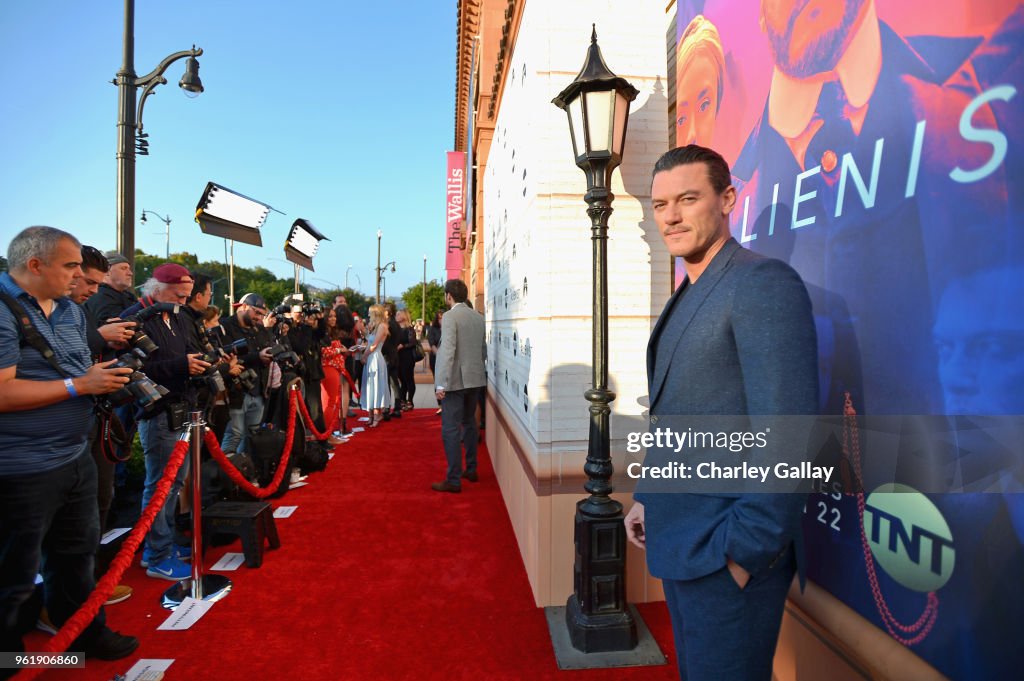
(599, 633)
(645, 654)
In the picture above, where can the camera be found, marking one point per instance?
(245, 381)
(281, 311)
(211, 378)
(312, 307)
(139, 340)
(140, 388)
(284, 356)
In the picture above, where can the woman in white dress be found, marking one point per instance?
(376, 393)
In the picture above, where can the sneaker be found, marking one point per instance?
(110, 645)
(44, 623)
(183, 553)
(121, 592)
(169, 568)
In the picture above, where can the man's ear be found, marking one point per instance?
(728, 200)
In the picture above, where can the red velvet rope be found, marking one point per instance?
(222, 460)
(308, 420)
(87, 612)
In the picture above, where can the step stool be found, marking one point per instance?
(251, 521)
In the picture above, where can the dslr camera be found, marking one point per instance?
(140, 388)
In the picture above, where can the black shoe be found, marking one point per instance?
(110, 645)
(445, 487)
(386, 416)
(396, 413)
(472, 477)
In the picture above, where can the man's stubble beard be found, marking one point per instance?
(823, 52)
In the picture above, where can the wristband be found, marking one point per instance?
(70, 385)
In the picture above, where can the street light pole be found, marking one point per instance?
(379, 235)
(423, 310)
(597, 104)
(164, 219)
(350, 267)
(129, 126)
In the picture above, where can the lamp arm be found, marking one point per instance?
(160, 80)
(162, 66)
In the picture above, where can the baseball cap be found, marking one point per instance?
(115, 258)
(172, 273)
(252, 299)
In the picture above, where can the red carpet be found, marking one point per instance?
(378, 577)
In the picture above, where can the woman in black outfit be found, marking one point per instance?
(434, 340)
(406, 360)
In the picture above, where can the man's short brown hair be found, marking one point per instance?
(718, 169)
(457, 289)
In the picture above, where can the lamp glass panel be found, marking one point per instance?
(303, 241)
(227, 205)
(579, 143)
(599, 119)
(621, 112)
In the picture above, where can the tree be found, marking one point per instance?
(413, 298)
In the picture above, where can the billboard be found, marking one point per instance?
(876, 147)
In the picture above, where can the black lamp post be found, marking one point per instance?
(597, 104)
(130, 137)
(380, 270)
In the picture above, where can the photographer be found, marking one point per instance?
(212, 392)
(103, 341)
(114, 294)
(175, 358)
(306, 338)
(246, 409)
(48, 509)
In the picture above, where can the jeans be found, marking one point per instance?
(157, 442)
(49, 520)
(239, 421)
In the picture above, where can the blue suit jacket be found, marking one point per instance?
(740, 341)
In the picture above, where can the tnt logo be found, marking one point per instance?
(909, 537)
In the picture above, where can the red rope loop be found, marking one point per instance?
(222, 460)
(923, 626)
(87, 612)
(308, 420)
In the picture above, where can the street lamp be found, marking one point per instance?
(423, 310)
(167, 221)
(346, 275)
(381, 269)
(130, 135)
(597, 104)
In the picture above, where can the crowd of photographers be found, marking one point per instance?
(84, 363)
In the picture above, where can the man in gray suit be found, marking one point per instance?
(458, 379)
(736, 339)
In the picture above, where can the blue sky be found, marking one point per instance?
(337, 112)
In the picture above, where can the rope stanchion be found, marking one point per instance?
(222, 460)
(87, 612)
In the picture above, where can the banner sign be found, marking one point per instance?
(455, 212)
(876, 146)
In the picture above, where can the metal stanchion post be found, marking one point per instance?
(200, 586)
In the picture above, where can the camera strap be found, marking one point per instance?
(30, 334)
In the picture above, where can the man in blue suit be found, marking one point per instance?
(737, 338)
